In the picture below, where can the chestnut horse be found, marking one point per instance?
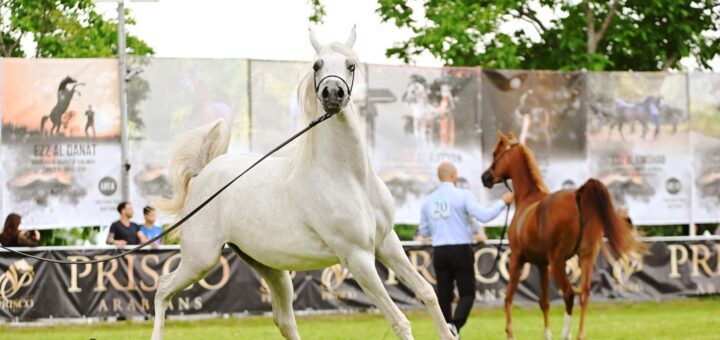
(550, 228)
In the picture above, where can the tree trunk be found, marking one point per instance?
(594, 37)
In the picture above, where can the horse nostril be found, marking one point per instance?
(341, 93)
(325, 93)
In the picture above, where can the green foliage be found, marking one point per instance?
(62, 29)
(664, 230)
(406, 232)
(68, 237)
(604, 35)
(318, 11)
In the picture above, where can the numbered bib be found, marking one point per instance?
(440, 210)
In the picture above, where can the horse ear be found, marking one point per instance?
(351, 39)
(314, 42)
(510, 136)
(502, 136)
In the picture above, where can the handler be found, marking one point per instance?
(446, 220)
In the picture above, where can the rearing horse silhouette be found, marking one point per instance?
(64, 96)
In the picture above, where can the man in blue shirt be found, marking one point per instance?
(445, 219)
(149, 229)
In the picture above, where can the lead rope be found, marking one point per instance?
(177, 224)
(502, 235)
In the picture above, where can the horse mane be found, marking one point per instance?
(310, 109)
(535, 174)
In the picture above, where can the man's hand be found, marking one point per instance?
(508, 198)
(422, 239)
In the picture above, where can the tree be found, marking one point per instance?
(596, 35)
(61, 29)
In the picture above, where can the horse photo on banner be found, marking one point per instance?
(61, 134)
(167, 97)
(705, 137)
(639, 144)
(422, 117)
(544, 111)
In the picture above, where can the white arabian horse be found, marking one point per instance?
(320, 204)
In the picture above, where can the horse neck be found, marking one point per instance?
(63, 85)
(527, 189)
(336, 144)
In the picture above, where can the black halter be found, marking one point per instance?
(507, 213)
(349, 88)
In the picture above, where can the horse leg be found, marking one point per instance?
(558, 270)
(281, 293)
(514, 271)
(194, 264)
(545, 299)
(587, 261)
(645, 128)
(362, 265)
(392, 255)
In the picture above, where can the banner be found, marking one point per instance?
(167, 97)
(421, 118)
(639, 144)
(705, 123)
(60, 130)
(126, 287)
(274, 106)
(544, 111)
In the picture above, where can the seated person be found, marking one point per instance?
(12, 236)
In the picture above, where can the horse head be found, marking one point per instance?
(505, 157)
(65, 82)
(333, 72)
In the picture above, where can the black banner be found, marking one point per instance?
(30, 289)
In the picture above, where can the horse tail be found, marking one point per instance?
(598, 216)
(193, 150)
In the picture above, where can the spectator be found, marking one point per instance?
(12, 236)
(123, 232)
(149, 229)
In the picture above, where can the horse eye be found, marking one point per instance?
(318, 64)
(351, 68)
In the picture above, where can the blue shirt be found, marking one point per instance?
(150, 233)
(446, 212)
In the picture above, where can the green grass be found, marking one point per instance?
(685, 319)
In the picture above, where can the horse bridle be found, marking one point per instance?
(507, 211)
(316, 85)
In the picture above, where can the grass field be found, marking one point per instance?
(686, 319)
